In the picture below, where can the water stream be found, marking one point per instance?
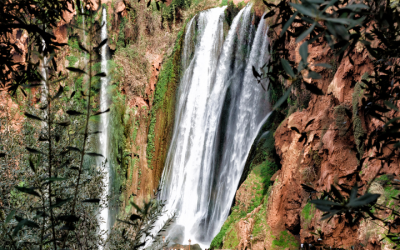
(104, 121)
(220, 107)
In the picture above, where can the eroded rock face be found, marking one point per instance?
(326, 155)
(61, 32)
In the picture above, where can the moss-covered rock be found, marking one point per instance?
(285, 240)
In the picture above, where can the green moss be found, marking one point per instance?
(285, 240)
(72, 60)
(268, 169)
(231, 240)
(223, 3)
(259, 181)
(169, 13)
(308, 213)
(168, 80)
(260, 223)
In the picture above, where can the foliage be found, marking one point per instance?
(59, 161)
(308, 213)
(168, 79)
(285, 241)
(52, 203)
(132, 232)
(16, 19)
(232, 10)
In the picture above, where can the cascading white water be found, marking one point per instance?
(104, 120)
(43, 65)
(219, 112)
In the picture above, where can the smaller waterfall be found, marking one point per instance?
(104, 120)
(45, 92)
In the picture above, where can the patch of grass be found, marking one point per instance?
(308, 213)
(285, 241)
(72, 60)
(231, 240)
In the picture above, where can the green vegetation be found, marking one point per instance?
(232, 239)
(167, 81)
(307, 214)
(72, 60)
(169, 13)
(256, 184)
(285, 241)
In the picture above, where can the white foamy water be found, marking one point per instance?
(219, 112)
(104, 121)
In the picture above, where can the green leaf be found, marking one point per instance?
(337, 193)
(305, 10)
(353, 194)
(139, 209)
(102, 74)
(64, 123)
(102, 43)
(74, 149)
(72, 95)
(283, 98)
(356, 6)
(59, 80)
(31, 165)
(324, 203)
(74, 112)
(30, 191)
(304, 51)
(76, 70)
(391, 105)
(9, 216)
(93, 154)
(60, 202)
(325, 65)
(34, 117)
(286, 66)
(59, 92)
(314, 75)
(83, 48)
(339, 20)
(305, 33)
(34, 151)
(364, 200)
(313, 89)
(23, 223)
(288, 23)
(101, 112)
(308, 189)
(255, 73)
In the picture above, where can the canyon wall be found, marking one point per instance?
(280, 216)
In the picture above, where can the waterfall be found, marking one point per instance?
(43, 82)
(104, 119)
(220, 109)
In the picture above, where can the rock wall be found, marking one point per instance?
(328, 156)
